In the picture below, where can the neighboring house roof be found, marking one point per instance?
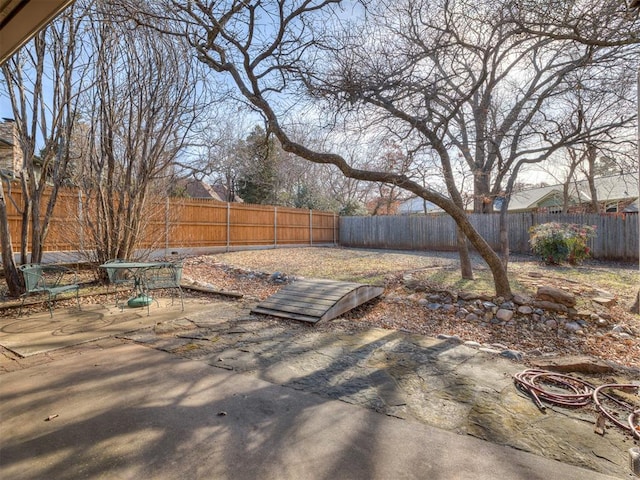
(221, 191)
(199, 189)
(417, 205)
(609, 189)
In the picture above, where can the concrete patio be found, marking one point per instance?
(110, 408)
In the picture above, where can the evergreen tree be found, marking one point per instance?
(258, 182)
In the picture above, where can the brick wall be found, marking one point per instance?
(10, 155)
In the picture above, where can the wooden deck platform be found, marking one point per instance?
(314, 300)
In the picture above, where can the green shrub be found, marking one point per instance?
(556, 243)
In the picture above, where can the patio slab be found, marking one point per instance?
(39, 333)
(110, 410)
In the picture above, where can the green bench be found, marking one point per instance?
(49, 280)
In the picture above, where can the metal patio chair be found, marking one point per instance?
(164, 276)
(49, 280)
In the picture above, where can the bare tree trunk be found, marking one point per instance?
(635, 308)
(36, 237)
(591, 155)
(13, 279)
(466, 267)
(504, 236)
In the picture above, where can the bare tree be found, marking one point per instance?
(464, 77)
(261, 62)
(432, 86)
(140, 114)
(43, 82)
(604, 23)
(608, 22)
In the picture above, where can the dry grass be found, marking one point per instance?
(440, 270)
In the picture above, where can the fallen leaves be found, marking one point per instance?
(394, 311)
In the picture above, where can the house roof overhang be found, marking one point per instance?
(22, 19)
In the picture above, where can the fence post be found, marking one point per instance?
(81, 220)
(166, 226)
(228, 225)
(310, 227)
(275, 226)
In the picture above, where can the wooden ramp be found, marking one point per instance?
(315, 300)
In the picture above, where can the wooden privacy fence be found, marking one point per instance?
(175, 223)
(616, 235)
(208, 223)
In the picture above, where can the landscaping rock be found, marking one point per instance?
(512, 355)
(605, 301)
(576, 364)
(448, 308)
(556, 295)
(472, 317)
(619, 329)
(572, 327)
(504, 315)
(521, 299)
(548, 305)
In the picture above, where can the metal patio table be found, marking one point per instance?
(136, 270)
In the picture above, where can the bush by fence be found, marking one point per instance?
(616, 235)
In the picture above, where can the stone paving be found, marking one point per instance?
(438, 381)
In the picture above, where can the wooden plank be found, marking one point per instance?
(324, 288)
(310, 294)
(290, 315)
(335, 294)
(310, 306)
(273, 302)
(307, 295)
(302, 310)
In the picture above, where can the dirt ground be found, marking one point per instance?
(260, 273)
(249, 272)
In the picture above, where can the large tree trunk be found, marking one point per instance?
(499, 272)
(12, 277)
(592, 154)
(504, 235)
(466, 268)
(482, 198)
(36, 226)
